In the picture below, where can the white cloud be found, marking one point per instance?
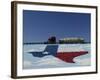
(49, 60)
(27, 64)
(83, 61)
(31, 62)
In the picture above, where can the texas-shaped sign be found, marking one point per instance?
(65, 54)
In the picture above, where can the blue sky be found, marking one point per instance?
(38, 26)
